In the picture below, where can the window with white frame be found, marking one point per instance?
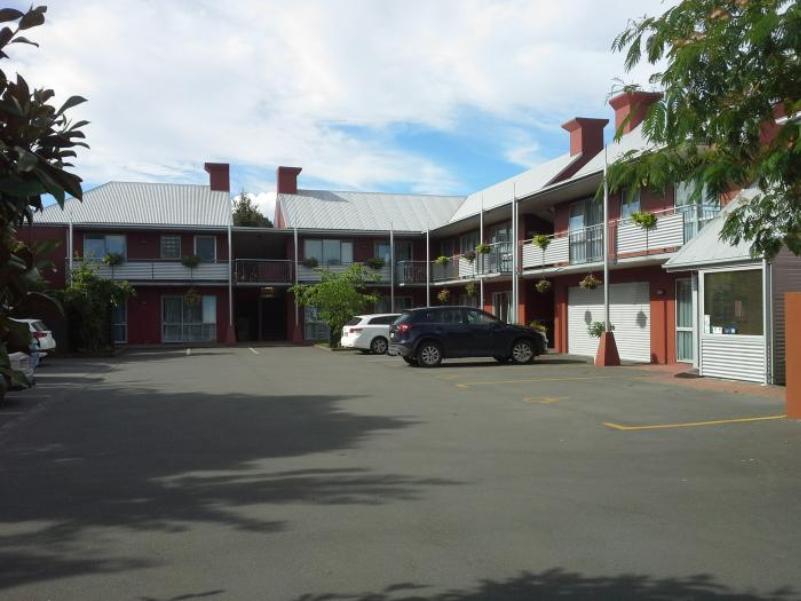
(733, 302)
(698, 206)
(171, 246)
(206, 248)
(468, 242)
(97, 246)
(328, 252)
(189, 318)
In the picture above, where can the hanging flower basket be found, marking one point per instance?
(470, 289)
(483, 249)
(543, 286)
(375, 263)
(645, 220)
(442, 260)
(310, 262)
(444, 295)
(596, 329)
(190, 261)
(113, 259)
(541, 240)
(470, 255)
(589, 282)
(192, 297)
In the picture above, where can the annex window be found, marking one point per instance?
(329, 252)
(171, 247)
(733, 302)
(97, 246)
(189, 319)
(206, 248)
(629, 204)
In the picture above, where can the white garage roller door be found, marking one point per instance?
(629, 312)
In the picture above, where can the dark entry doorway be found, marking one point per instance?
(272, 318)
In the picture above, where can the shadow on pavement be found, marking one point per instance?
(561, 585)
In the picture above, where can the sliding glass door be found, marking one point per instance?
(189, 318)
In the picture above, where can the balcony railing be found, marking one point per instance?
(312, 274)
(674, 228)
(411, 272)
(263, 271)
(161, 270)
(497, 261)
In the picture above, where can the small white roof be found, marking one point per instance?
(144, 204)
(325, 209)
(521, 185)
(707, 249)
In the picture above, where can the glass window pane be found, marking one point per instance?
(447, 247)
(628, 206)
(347, 253)
(192, 312)
(115, 244)
(205, 248)
(209, 309)
(733, 302)
(684, 304)
(171, 309)
(331, 252)
(313, 249)
(382, 251)
(170, 247)
(94, 247)
(576, 216)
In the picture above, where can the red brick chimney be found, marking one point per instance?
(632, 103)
(219, 180)
(586, 135)
(287, 179)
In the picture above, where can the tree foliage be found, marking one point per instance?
(88, 301)
(731, 68)
(338, 296)
(247, 214)
(37, 141)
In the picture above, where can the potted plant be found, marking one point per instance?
(442, 260)
(192, 296)
(543, 286)
(113, 259)
(190, 261)
(596, 329)
(542, 241)
(444, 295)
(589, 282)
(482, 248)
(470, 289)
(311, 262)
(375, 263)
(645, 220)
(470, 255)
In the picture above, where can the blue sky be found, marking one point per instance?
(412, 96)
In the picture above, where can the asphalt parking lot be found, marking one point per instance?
(301, 474)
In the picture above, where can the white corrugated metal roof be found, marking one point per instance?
(521, 185)
(324, 209)
(706, 248)
(130, 203)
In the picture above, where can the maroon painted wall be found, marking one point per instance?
(33, 234)
(145, 245)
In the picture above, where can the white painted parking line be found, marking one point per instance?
(254, 351)
(188, 352)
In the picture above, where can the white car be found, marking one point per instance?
(369, 332)
(41, 335)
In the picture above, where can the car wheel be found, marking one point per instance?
(379, 345)
(501, 358)
(429, 354)
(523, 351)
(411, 361)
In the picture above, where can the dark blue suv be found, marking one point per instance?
(427, 336)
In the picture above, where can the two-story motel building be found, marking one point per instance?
(678, 294)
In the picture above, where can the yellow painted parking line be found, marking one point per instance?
(544, 400)
(714, 422)
(529, 380)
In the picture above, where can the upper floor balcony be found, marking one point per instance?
(495, 261)
(672, 229)
(160, 270)
(264, 271)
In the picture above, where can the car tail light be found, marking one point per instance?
(404, 327)
(38, 335)
(355, 330)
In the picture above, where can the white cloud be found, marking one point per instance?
(258, 83)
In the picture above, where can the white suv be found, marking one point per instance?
(369, 332)
(40, 334)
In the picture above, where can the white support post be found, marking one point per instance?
(515, 317)
(478, 258)
(70, 247)
(428, 268)
(230, 276)
(391, 268)
(607, 324)
(295, 296)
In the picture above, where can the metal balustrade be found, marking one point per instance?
(263, 271)
(159, 270)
